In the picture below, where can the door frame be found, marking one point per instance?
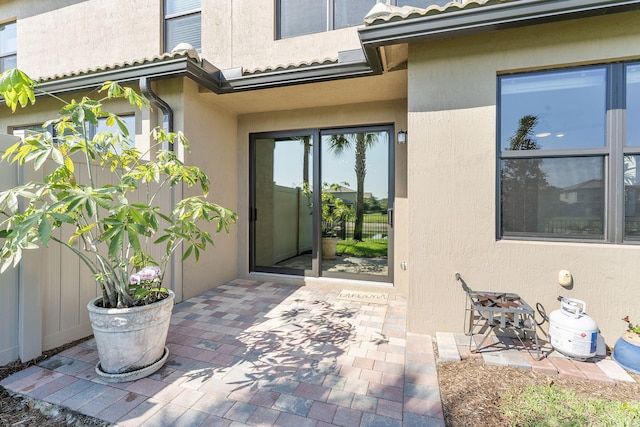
(316, 134)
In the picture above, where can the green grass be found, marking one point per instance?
(555, 406)
(368, 249)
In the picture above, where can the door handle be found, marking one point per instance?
(390, 217)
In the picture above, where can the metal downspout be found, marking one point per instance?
(167, 112)
(167, 126)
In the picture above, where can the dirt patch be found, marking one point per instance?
(471, 390)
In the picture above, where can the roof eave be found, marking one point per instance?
(174, 67)
(294, 76)
(482, 19)
(206, 75)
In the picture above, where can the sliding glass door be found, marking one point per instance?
(282, 209)
(321, 203)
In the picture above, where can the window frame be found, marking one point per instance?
(317, 134)
(166, 18)
(330, 19)
(11, 54)
(613, 153)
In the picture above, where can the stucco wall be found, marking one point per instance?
(67, 38)
(254, 45)
(326, 117)
(452, 179)
(241, 33)
(212, 134)
(62, 36)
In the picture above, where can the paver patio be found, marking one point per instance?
(267, 354)
(252, 353)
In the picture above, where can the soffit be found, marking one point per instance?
(384, 87)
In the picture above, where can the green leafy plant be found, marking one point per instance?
(631, 327)
(334, 210)
(110, 232)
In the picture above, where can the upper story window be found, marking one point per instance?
(569, 142)
(299, 17)
(182, 23)
(8, 47)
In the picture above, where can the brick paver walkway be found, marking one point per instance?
(503, 351)
(262, 354)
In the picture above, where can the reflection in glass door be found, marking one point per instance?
(355, 203)
(282, 220)
(322, 209)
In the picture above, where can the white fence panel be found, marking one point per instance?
(9, 281)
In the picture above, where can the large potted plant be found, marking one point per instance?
(627, 349)
(334, 214)
(102, 225)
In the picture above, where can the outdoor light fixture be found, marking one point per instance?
(402, 137)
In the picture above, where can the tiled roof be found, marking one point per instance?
(117, 66)
(384, 13)
(291, 66)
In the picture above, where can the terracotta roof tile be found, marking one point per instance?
(116, 66)
(291, 66)
(383, 13)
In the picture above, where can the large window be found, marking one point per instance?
(8, 57)
(299, 17)
(182, 23)
(567, 160)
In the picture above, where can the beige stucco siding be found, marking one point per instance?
(67, 39)
(383, 112)
(452, 179)
(82, 35)
(211, 131)
(255, 46)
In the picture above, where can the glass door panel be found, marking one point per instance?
(282, 214)
(355, 204)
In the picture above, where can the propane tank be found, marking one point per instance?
(571, 331)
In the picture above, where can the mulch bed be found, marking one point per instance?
(471, 390)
